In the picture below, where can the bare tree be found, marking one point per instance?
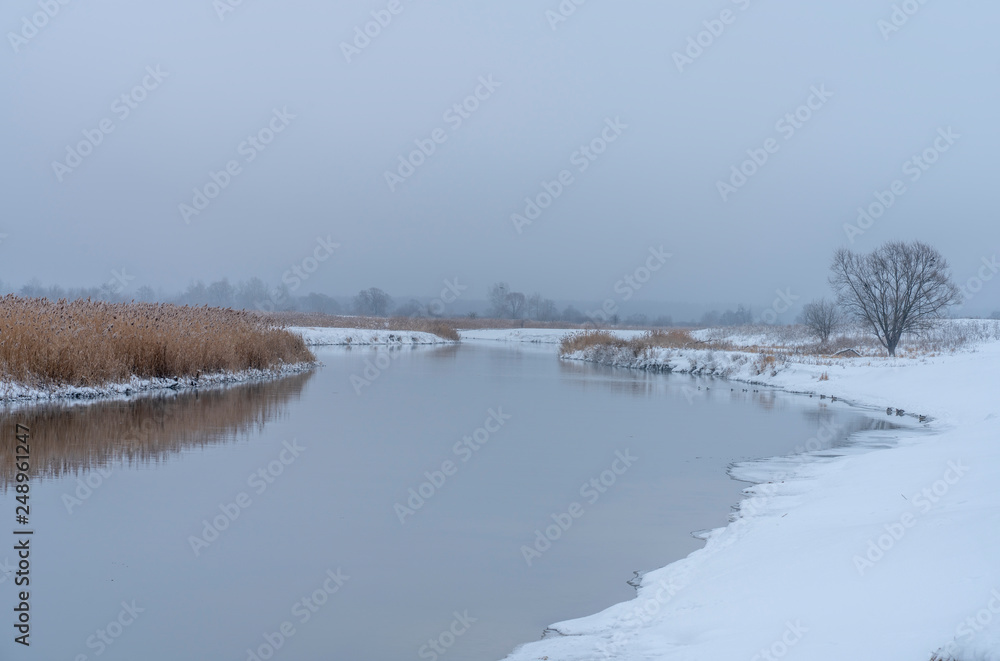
(372, 302)
(822, 317)
(195, 294)
(505, 303)
(547, 310)
(221, 294)
(516, 303)
(145, 294)
(33, 289)
(497, 297)
(738, 317)
(533, 306)
(898, 288)
(252, 294)
(319, 303)
(710, 318)
(412, 308)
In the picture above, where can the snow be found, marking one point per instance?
(16, 392)
(533, 335)
(886, 550)
(319, 336)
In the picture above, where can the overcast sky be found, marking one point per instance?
(681, 116)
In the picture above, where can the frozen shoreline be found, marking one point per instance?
(878, 553)
(13, 393)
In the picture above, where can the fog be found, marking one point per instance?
(250, 134)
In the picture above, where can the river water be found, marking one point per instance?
(276, 520)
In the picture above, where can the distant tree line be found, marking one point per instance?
(252, 294)
(505, 303)
(898, 289)
(738, 317)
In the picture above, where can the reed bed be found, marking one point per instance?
(91, 343)
(672, 339)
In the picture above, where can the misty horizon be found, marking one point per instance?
(544, 147)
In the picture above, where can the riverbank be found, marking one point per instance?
(547, 336)
(442, 328)
(11, 392)
(88, 343)
(882, 553)
(85, 349)
(319, 336)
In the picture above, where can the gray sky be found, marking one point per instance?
(556, 84)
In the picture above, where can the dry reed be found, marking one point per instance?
(89, 343)
(671, 339)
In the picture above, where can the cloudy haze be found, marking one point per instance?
(681, 120)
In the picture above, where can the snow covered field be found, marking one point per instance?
(532, 335)
(319, 336)
(881, 552)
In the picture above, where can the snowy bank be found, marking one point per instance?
(320, 336)
(15, 392)
(885, 550)
(532, 335)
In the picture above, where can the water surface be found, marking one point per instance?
(319, 469)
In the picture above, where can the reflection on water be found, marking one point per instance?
(69, 439)
(704, 392)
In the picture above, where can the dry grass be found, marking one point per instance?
(673, 339)
(947, 336)
(88, 343)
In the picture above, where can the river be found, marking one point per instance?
(276, 520)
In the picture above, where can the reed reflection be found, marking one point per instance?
(73, 438)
